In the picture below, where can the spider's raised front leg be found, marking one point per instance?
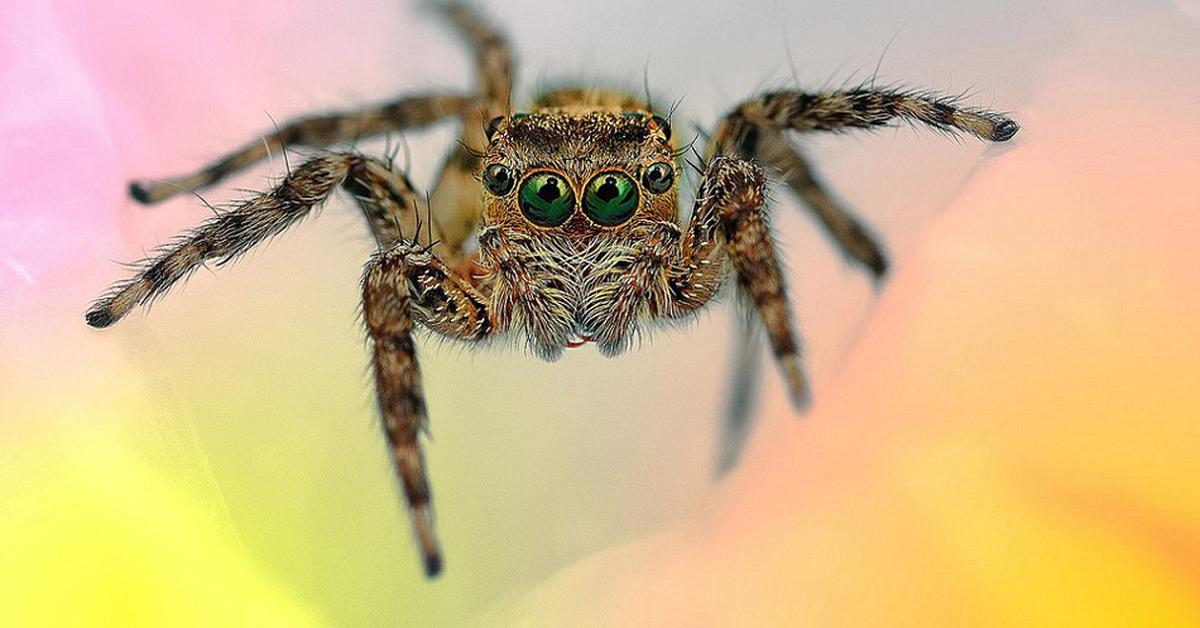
(862, 108)
(456, 201)
(314, 131)
(755, 130)
(403, 286)
(729, 222)
(384, 195)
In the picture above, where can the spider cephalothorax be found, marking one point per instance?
(578, 229)
(573, 201)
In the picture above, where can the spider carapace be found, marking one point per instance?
(577, 228)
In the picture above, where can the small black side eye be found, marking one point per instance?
(658, 177)
(493, 125)
(663, 126)
(498, 179)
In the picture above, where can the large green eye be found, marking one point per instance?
(546, 199)
(610, 198)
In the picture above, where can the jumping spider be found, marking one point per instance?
(578, 230)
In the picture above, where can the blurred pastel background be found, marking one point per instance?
(1006, 433)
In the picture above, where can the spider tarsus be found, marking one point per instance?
(433, 565)
(431, 554)
(878, 265)
(99, 317)
(141, 193)
(797, 383)
(1005, 130)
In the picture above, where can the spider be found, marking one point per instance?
(576, 234)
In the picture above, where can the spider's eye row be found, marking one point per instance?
(658, 177)
(498, 179)
(610, 198)
(546, 199)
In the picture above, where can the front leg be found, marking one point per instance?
(314, 131)
(862, 108)
(456, 201)
(385, 196)
(730, 223)
(403, 286)
(756, 130)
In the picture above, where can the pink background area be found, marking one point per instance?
(1005, 433)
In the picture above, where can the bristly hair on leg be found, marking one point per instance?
(886, 47)
(287, 165)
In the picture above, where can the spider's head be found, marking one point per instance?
(578, 173)
(574, 202)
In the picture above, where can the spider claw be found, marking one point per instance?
(433, 565)
(878, 264)
(99, 317)
(1005, 130)
(797, 383)
(430, 553)
(141, 193)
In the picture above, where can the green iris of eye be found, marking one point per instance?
(546, 199)
(610, 198)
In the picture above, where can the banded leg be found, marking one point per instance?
(403, 286)
(857, 108)
(755, 130)
(493, 59)
(851, 236)
(313, 131)
(730, 223)
(456, 201)
(385, 197)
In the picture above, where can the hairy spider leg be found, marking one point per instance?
(457, 203)
(314, 131)
(852, 237)
(756, 129)
(405, 282)
(861, 108)
(403, 286)
(729, 223)
(229, 234)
